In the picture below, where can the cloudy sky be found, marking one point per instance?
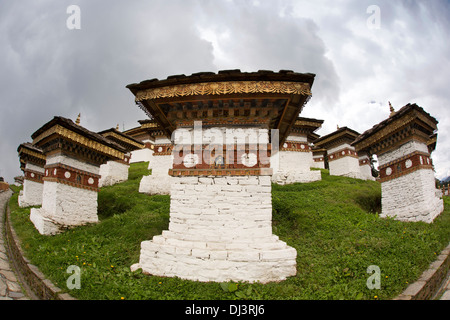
(364, 54)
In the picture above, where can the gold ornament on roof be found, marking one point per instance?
(391, 108)
(226, 87)
(78, 119)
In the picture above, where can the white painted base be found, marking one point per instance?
(292, 167)
(318, 164)
(31, 195)
(141, 155)
(159, 181)
(113, 172)
(158, 184)
(45, 226)
(63, 207)
(283, 178)
(366, 172)
(220, 230)
(345, 167)
(412, 197)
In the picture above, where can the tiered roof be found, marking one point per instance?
(229, 97)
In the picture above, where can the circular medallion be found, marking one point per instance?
(159, 149)
(90, 180)
(190, 160)
(408, 163)
(249, 159)
(302, 146)
(54, 172)
(32, 175)
(388, 171)
(67, 174)
(285, 145)
(343, 152)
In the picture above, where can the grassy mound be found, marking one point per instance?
(333, 224)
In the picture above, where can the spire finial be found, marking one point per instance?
(391, 108)
(337, 127)
(117, 127)
(78, 119)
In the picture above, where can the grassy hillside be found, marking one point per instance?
(332, 223)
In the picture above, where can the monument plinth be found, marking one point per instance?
(221, 208)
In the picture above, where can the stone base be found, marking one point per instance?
(283, 178)
(220, 230)
(354, 175)
(44, 225)
(64, 206)
(155, 184)
(31, 195)
(412, 197)
(112, 172)
(256, 260)
(24, 202)
(345, 167)
(366, 172)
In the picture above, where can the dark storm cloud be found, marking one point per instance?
(265, 36)
(49, 70)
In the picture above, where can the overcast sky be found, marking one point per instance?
(363, 56)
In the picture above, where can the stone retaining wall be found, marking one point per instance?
(29, 274)
(431, 280)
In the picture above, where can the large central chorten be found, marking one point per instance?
(222, 130)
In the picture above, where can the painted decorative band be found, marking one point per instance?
(364, 162)
(33, 175)
(219, 172)
(296, 146)
(404, 165)
(318, 159)
(71, 176)
(162, 149)
(240, 158)
(346, 152)
(149, 145)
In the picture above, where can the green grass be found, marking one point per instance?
(332, 223)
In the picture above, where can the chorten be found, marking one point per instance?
(222, 130)
(342, 157)
(402, 143)
(115, 171)
(32, 161)
(71, 174)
